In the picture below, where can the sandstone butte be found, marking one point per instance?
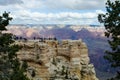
(48, 59)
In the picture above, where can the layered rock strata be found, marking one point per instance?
(45, 57)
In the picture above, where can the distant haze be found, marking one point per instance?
(30, 31)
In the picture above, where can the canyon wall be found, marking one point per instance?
(57, 60)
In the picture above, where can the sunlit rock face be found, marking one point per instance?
(50, 56)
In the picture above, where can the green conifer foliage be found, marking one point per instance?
(111, 21)
(10, 66)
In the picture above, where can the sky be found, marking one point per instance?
(81, 12)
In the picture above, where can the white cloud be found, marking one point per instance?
(100, 12)
(56, 4)
(10, 2)
(74, 4)
(33, 4)
(26, 16)
(55, 11)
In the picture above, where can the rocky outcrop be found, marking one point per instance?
(47, 59)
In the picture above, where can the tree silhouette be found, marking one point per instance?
(111, 21)
(10, 66)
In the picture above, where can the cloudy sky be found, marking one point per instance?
(53, 11)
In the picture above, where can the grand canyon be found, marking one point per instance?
(92, 35)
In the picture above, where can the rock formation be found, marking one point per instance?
(52, 58)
